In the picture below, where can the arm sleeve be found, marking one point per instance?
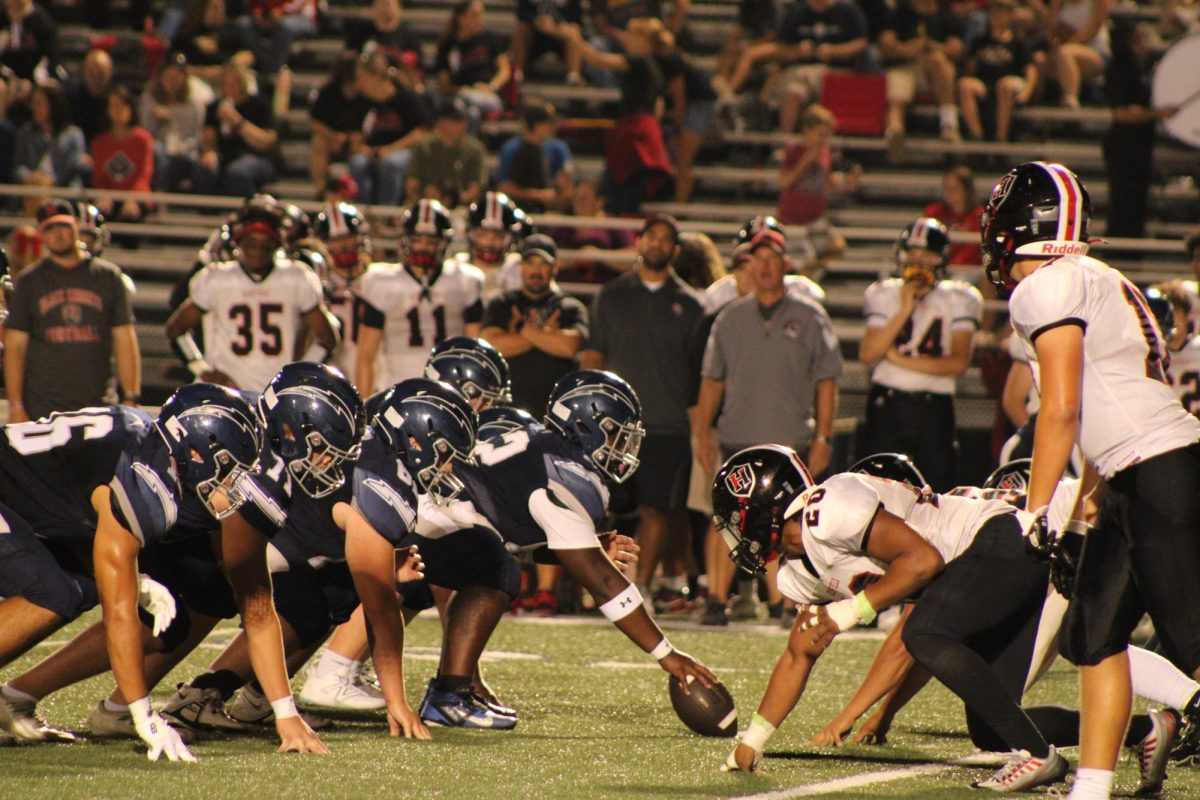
(122, 309)
(714, 357)
(968, 309)
(879, 304)
(372, 301)
(200, 289)
(841, 519)
(565, 527)
(1050, 297)
(828, 362)
(574, 316)
(498, 313)
(141, 501)
(388, 505)
(308, 290)
(20, 309)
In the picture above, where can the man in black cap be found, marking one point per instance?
(537, 328)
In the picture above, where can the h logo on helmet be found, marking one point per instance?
(740, 482)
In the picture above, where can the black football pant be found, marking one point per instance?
(918, 424)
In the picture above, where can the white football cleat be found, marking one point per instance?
(340, 689)
(200, 709)
(19, 719)
(1023, 772)
(1153, 751)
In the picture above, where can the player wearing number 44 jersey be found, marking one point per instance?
(410, 307)
(920, 327)
(257, 310)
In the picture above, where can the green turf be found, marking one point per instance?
(586, 731)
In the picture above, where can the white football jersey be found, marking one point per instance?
(415, 316)
(1184, 374)
(1129, 412)
(1193, 290)
(251, 328)
(835, 520)
(952, 306)
(343, 305)
(724, 291)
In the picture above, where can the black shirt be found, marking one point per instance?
(994, 59)
(387, 121)
(470, 61)
(641, 86)
(399, 46)
(330, 106)
(558, 10)
(38, 39)
(697, 83)
(255, 109)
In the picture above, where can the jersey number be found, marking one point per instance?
(931, 342)
(269, 334)
(511, 444)
(415, 337)
(1191, 397)
(42, 436)
(1155, 352)
(813, 515)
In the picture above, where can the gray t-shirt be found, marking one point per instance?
(646, 337)
(770, 368)
(69, 315)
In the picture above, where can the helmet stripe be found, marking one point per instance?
(1070, 211)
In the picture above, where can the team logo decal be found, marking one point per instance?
(740, 482)
(1002, 189)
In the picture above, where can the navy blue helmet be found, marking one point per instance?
(314, 419)
(894, 466)
(496, 421)
(1163, 311)
(215, 438)
(474, 367)
(601, 413)
(428, 424)
(1009, 482)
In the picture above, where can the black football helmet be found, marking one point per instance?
(314, 420)
(925, 233)
(1038, 210)
(214, 438)
(601, 413)
(297, 225)
(496, 421)
(893, 466)
(474, 367)
(1163, 311)
(755, 226)
(495, 213)
(754, 491)
(259, 214)
(428, 230)
(346, 234)
(1009, 482)
(428, 424)
(92, 230)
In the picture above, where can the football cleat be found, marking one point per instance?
(201, 709)
(253, 708)
(543, 604)
(1153, 751)
(1023, 772)
(743, 607)
(104, 723)
(19, 718)
(715, 612)
(1187, 742)
(340, 689)
(461, 709)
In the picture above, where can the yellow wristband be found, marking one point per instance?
(866, 611)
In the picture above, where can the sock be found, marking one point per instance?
(17, 694)
(223, 680)
(331, 662)
(453, 683)
(1091, 784)
(120, 708)
(948, 116)
(1155, 678)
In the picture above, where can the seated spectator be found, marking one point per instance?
(336, 112)
(806, 177)
(49, 150)
(536, 167)
(813, 36)
(611, 19)
(206, 37)
(239, 137)
(261, 31)
(28, 39)
(172, 109)
(998, 65)
(959, 210)
(756, 23)
(587, 201)
(921, 45)
(692, 103)
(89, 95)
(396, 119)
(301, 17)
(471, 63)
(447, 164)
(385, 32)
(122, 157)
(1079, 45)
(539, 32)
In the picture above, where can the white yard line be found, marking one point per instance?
(871, 778)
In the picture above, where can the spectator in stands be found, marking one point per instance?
(617, 243)
(637, 166)
(172, 109)
(472, 64)
(262, 32)
(998, 66)
(806, 178)
(8, 136)
(28, 39)
(539, 31)
(757, 21)
(1079, 45)
(89, 95)
(70, 316)
(1129, 145)
(643, 325)
(698, 263)
(24, 247)
(207, 38)
(49, 150)
(396, 119)
(959, 210)
(239, 137)
(813, 36)
(921, 44)
(122, 158)
(692, 106)
(447, 164)
(610, 19)
(385, 32)
(536, 168)
(336, 112)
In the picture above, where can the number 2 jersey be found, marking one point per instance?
(950, 307)
(1184, 374)
(836, 522)
(1129, 413)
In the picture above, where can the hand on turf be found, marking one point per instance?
(742, 759)
(816, 619)
(156, 600)
(873, 731)
(296, 737)
(161, 739)
(683, 666)
(403, 721)
(833, 734)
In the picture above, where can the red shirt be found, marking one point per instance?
(127, 164)
(960, 252)
(804, 199)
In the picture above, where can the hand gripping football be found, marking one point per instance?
(708, 712)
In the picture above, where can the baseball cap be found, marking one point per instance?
(661, 219)
(56, 212)
(769, 238)
(539, 244)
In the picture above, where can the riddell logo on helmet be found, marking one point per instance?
(1064, 248)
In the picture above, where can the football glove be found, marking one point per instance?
(160, 738)
(1039, 539)
(157, 601)
(1064, 559)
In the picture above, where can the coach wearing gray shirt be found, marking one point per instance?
(774, 361)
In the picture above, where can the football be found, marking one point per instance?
(708, 712)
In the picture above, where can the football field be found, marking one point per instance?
(596, 722)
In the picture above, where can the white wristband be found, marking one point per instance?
(662, 650)
(844, 614)
(624, 604)
(284, 708)
(757, 734)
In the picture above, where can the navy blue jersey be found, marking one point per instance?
(537, 489)
(269, 493)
